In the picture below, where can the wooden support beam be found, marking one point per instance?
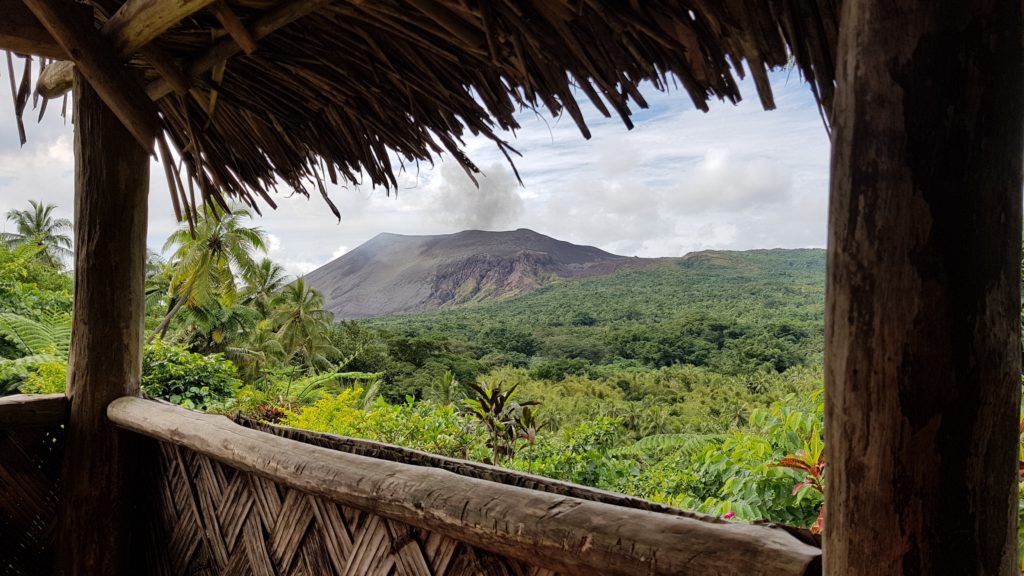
(922, 335)
(100, 64)
(139, 22)
(167, 68)
(111, 189)
(20, 31)
(56, 79)
(235, 28)
(569, 535)
(130, 30)
(57, 84)
(277, 18)
(33, 410)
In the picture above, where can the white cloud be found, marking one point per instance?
(299, 268)
(339, 252)
(682, 180)
(273, 243)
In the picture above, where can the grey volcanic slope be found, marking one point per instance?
(396, 274)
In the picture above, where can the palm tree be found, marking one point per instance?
(205, 262)
(262, 284)
(38, 226)
(303, 325)
(260, 351)
(214, 326)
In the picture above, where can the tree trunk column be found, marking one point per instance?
(111, 188)
(922, 345)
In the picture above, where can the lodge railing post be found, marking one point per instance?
(922, 345)
(111, 188)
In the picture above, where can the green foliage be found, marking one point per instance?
(193, 380)
(505, 420)
(692, 382)
(30, 287)
(47, 378)
(33, 349)
(38, 227)
(50, 334)
(740, 473)
(423, 426)
(580, 454)
(733, 312)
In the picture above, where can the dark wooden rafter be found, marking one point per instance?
(98, 62)
(234, 27)
(139, 22)
(241, 39)
(21, 32)
(130, 30)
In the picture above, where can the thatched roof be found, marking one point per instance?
(344, 89)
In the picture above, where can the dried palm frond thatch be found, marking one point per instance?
(354, 91)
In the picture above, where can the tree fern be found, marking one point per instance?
(50, 335)
(14, 372)
(684, 445)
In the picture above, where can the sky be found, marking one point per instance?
(682, 180)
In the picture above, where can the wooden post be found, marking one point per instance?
(111, 187)
(922, 343)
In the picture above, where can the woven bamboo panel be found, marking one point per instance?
(30, 460)
(212, 519)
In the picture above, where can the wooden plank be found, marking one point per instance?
(20, 31)
(139, 22)
(922, 340)
(111, 189)
(28, 410)
(99, 63)
(569, 535)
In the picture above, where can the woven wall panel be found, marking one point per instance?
(212, 519)
(30, 460)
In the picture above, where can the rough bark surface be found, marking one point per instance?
(923, 329)
(111, 187)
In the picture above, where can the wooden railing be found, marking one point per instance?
(238, 500)
(230, 499)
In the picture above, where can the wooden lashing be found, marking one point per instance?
(922, 343)
(111, 187)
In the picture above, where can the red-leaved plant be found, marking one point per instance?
(811, 461)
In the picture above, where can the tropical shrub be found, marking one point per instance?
(580, 454)
(47, 378)
(187, 378)
(423, 426)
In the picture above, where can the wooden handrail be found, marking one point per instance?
(566, 534)
(32, 410)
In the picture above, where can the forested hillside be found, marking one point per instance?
(734, 312)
